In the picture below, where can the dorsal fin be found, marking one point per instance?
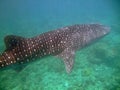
(12, 41)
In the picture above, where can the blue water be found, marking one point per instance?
(96, 67)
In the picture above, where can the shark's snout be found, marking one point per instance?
(102, 30)
(106, 29)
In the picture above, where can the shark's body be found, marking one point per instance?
(62, 42)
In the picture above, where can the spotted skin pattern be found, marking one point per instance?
(62, 42)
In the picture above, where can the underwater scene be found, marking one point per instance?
(96, 66)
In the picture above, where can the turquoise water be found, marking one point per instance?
(97, 67)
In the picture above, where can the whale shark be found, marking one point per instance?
(63, 43)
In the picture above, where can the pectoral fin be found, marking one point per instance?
(68, 56)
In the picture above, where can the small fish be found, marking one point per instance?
(63, 43)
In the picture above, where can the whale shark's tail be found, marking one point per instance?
(7, 57)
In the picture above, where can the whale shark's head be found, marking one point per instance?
(101, 30)
(97, 31)
(93, 32)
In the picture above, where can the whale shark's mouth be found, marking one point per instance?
(103, 29)
(106, 30)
